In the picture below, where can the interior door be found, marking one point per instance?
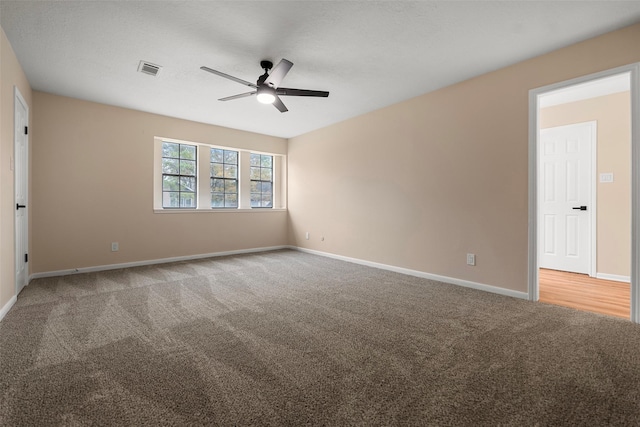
(566, 209)
(21, 153)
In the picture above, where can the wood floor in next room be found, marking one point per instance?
(585, 293)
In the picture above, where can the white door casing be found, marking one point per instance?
(21, 164)
(633, 71)
(565, 190)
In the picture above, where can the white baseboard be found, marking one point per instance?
(4, 310)
(416, 273)
(422, 274)
(151, 262)
(614, 277)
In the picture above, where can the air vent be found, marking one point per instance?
(149, 68)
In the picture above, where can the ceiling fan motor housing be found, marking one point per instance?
(266, 94)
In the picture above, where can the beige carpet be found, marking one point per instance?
(289, 339)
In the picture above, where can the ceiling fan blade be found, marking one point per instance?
(242, 95)
(227, 76)
(278, 73)
(280, 105)
(285, 91)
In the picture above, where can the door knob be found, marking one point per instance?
(580, 208)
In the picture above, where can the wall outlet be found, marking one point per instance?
(471, 259)
(307, 235)
(606, 177)
(115, 247)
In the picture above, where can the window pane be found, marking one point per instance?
(230, 171)
(255, 200)
(187, 200)
(265, 161)
(266, 187)
(231, 186)
(217, 185)
(231, 157)
(170, 150)
(187, 184)
(255, 159)
(170, 199)
(255, 173)
(187, 152)
(169, 183)
(266, 200)
(217, 200)
(255, 186)
(231, 200)
(265, 174)
(170, 166)
(217, 170)
(216, 155)
(187, 167)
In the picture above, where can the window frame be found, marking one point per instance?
(224, 178)
(261, 181)
(180, 175)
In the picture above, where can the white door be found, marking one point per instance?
(565, 197)
(21, 163)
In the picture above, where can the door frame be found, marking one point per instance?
(19, 98)
(593, 201)
(534, 94)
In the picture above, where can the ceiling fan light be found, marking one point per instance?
(266, 98)
(266, 95)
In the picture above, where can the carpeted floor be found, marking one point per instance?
(289, 339)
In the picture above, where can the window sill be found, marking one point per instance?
(229, 210)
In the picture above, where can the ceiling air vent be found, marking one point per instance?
(149, 68)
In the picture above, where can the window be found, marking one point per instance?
(224, 178)
(261, 181)
(179, 175)
(194, 176)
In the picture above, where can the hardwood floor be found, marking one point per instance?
(585, 293)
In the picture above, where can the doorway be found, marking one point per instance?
(20, 166)
(583, 253)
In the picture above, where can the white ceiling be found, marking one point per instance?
(367, 54)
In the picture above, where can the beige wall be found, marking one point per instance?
(421, 183)
(11, 75)
(92, 182)
(613, 116)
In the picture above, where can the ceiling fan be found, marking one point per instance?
(267, 88)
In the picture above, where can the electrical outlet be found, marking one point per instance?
(115, 247)
(471, 259)
(606, 177)
(307, 235)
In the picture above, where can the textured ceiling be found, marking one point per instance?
(367, 54)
